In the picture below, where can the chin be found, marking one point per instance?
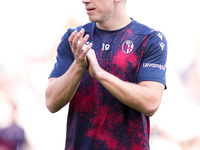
(93, 19)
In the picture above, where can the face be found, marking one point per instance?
(99, 10)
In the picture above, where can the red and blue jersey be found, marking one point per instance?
(96, 119)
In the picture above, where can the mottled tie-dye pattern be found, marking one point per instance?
(97, 120)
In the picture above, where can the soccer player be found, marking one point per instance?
(112, 72)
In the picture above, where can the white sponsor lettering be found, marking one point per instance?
(152, 65)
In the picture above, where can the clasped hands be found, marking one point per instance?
(84, 54)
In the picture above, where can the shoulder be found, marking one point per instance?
(154, 40)
(141, 29)
(151, 35)
(157, 36)
(87, 27)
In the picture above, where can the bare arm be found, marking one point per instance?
(144, 97)
(61, 90)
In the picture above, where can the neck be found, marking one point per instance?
(114, 25)
(116, 21)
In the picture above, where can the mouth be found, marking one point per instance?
(90, 9)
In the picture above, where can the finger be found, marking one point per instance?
(87, 49)
(71, 37)
(77, 38)
(83, 41)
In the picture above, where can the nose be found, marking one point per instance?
(86, 1)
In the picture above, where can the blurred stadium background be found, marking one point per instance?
(29, 34)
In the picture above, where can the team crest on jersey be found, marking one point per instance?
(127, 46)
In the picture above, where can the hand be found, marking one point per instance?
(94, 69)
(79, 49)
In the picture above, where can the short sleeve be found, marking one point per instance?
(153, 65)
(64, 57)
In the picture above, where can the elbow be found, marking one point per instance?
(54, 104)
(50, 106)
(151, 111)
(152, 108)
(50, 103)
